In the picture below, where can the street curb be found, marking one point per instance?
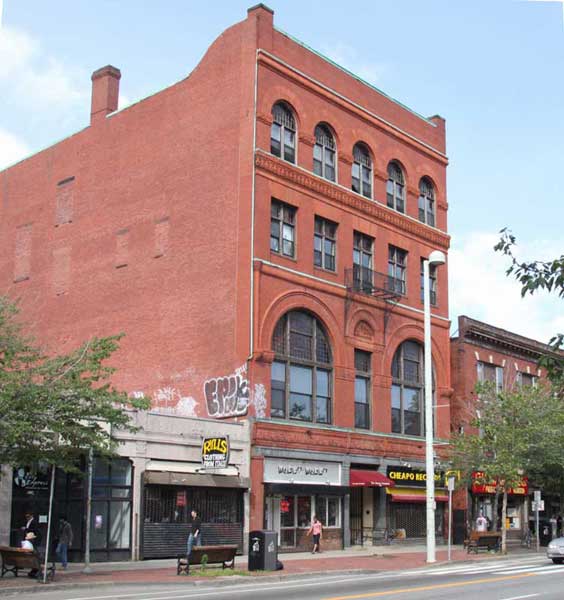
(219, 582)
(240, 579)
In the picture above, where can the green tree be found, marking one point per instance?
(53, 408)
(514, 433)
(534, 276)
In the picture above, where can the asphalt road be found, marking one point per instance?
(517, 579)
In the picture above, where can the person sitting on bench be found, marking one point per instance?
(27, 544)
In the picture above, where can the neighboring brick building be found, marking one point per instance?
(257, 231)
(482, 352)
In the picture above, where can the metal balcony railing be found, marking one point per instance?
(363, 280)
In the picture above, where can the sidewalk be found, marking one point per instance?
(366, 560)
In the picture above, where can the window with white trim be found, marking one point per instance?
(397, 269)
(432, 283)
(492, 373)
(426, 203)
(325, 244)
(395, 187)
(283, 133)
(324, 153)
(362, 171)
(283, 229)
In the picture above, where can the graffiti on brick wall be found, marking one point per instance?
(259, 400)
(169, 400)
(228, 396)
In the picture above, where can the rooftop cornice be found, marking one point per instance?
(495, 337)
(370, 208)
(305, 80)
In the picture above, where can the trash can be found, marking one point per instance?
(263, 550)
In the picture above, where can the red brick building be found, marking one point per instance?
(482, 352)
(257, 231)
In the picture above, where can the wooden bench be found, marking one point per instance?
(216, 555)
(16, 559)
(482, 540)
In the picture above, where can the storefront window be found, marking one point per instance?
(287, 511)
(328, 510)
(304, 511)
(111, 509)
(120, 524)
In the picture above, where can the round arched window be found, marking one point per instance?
(395, 188)
(362, 171)
(324, 153)
(283, 132)
(301, 375)
(426, 202)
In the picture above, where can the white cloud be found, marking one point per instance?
(31, 77)
(479, 288)
(12, 149)
(348, 57)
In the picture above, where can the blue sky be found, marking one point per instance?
(494, 69)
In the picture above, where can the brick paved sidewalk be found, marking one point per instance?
(374, 560)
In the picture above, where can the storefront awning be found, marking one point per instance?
(367, 478)
(178, 473)
(400, 494)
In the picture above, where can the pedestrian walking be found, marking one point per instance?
(317, 530)
(64, 541)
(195, 537)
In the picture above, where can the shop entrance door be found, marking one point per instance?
(287, 520)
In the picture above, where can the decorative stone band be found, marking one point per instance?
(370, 208)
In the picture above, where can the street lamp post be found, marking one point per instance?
(435, 258)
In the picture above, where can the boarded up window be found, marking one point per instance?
(61, 270)
(64, 202)
(22, 256)
(122, 248)
(161, 237)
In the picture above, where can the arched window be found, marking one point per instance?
(324, 153)
(426, 202)
(362, 171)
(395, 188)
(408, 381)
(283, 133)
(301, 375)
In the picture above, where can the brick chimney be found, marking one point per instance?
(263, 18)
(105, 92)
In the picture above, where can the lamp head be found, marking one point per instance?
(437, 258)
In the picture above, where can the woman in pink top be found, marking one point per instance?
(317, 530)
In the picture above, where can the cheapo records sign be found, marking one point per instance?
(215, 452)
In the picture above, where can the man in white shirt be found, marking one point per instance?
(481, 523)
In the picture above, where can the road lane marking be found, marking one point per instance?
(521, 597)
(428, 588)
(547, 569)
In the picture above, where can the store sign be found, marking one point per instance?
(406, 476)
(481, 487)
(215, 452)
(285, 470)
(30, 480)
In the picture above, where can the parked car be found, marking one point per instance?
(555, 550)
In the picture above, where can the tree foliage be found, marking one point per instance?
(55, 407)
(534, 276)
(512, 433)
